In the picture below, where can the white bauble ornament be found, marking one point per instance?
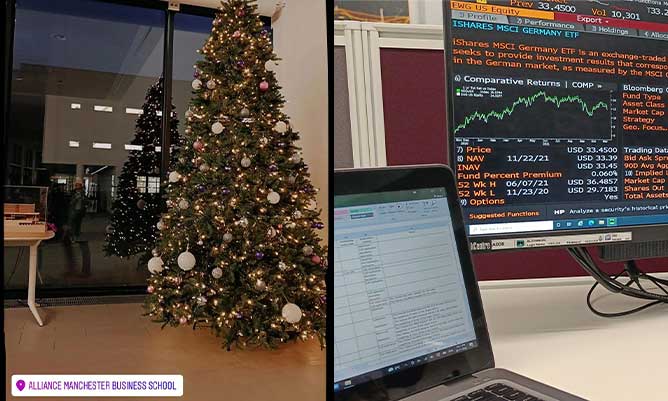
(291, 224)
(264, 141)
(217, 127)
(155, 265)
(227, 237)
(245, 162)
(141, 204)
(210, 84)
(282, 266)
(260, 285)
(196, 84)
(271, 233)
(186, 260)
(281, 127)
(189, 113)
(296, 158)
(244, 113)
(273, 197)
(160, 225)
(200, 242)
(183, 204)
(204, 167)
(174, 176)
(201, 300)
(308, 250)
(297, 214)
(291, 313)
(217, 272)
(270, 65)
(155, 252)
(243, 222)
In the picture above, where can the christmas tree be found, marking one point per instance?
(239, 251)
(138, 204)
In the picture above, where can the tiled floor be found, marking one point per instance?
(108, 339)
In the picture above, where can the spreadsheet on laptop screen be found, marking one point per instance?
(399, 293)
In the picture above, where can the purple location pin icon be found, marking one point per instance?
(20, 384)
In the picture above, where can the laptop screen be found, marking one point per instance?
(399, 293)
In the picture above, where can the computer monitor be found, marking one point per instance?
(557, 113)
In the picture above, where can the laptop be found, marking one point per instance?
(408, 318)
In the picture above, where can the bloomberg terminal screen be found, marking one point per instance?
(559, 113)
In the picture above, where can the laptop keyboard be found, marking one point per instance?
(497, 392)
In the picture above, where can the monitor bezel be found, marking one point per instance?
(640, 233)
(412, 380)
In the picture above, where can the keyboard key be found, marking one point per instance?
(491, 397)
(476, 393)
(516, 395)
(493, 386)
(502, 390)
(462, 398)
(530, 398)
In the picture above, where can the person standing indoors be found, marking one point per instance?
(77, 210)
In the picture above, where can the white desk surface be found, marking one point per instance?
(546, 332)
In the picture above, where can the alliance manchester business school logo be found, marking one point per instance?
(97, 385)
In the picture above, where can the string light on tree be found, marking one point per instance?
(244, 192)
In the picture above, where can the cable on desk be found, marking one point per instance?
(615, 285)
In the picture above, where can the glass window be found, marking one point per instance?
(141, 184)
(190, 33)
(153, 186)
(81, 68)
(147, 184)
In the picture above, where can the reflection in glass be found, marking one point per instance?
(137, 209)
(77, 66)
(190, 33)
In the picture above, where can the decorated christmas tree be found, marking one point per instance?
(138, 204)
(239, 249)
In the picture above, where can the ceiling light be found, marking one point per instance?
(101, 145)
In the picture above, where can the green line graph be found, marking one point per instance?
(528, 102)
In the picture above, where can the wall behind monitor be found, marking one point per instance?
(343, 146)
(414, 114)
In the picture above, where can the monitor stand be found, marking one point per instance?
(631, 282)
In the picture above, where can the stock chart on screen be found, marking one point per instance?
(558, 110)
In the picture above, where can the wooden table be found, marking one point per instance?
(31, 240)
